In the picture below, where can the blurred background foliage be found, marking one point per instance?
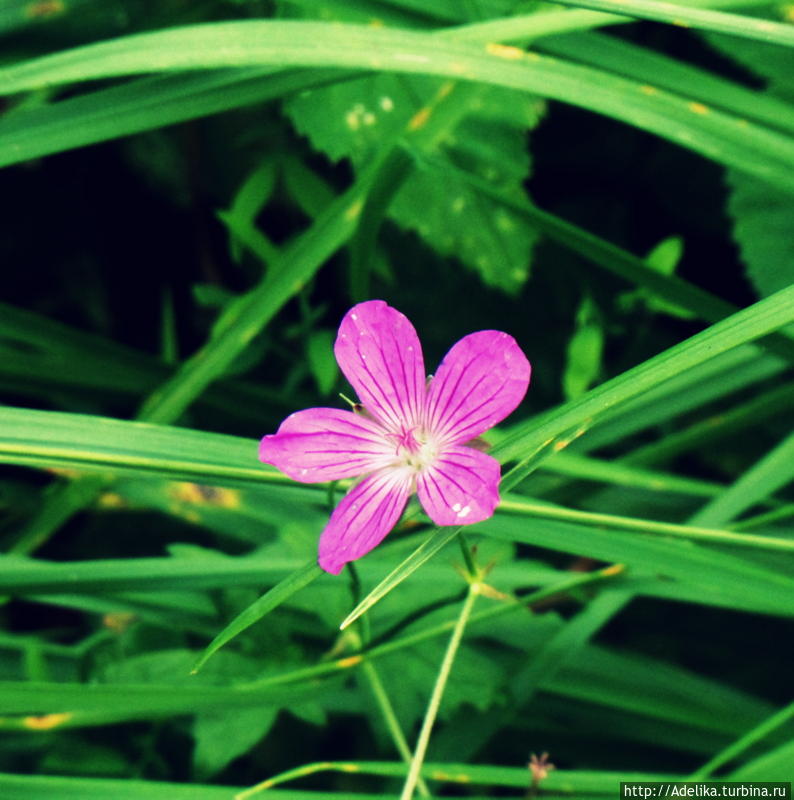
(145, 214)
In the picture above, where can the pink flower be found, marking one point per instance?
(412, 434)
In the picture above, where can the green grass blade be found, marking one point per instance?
(264, 605)
(716, 135)
(772, 472)
(643, 64)
(142, 105)
(759, 732)
(520, 505)
(529, 27)
(438, 540)
(625, 473)
(761, 30)
(692, 390)
(554, 430)
(715, 427)
(718, 576)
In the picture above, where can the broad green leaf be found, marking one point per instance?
(611, 258)
(350, 119)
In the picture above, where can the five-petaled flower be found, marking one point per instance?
(411, 435)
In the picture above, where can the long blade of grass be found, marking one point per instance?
(716, 135)
(142, 105)
(163, 100)
(715, 427)
(257, 610)
(556, 429)
(49, 787)
(761, 30)
(773, 471)
(759, 732)
(643, 64)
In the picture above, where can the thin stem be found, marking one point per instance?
(741, 744)
(360, 639)
(390, 718)
(438, 692)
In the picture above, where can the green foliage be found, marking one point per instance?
(197, 193)
(762, 217)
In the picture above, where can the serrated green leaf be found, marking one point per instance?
(763, 220)
(349, 119)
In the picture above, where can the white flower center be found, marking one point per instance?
(415, 449)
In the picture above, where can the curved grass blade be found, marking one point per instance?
(761, 30)
(142, 105)
(721, 137)
(264, 605)
(643, 64)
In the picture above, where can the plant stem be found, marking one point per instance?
(438, 693)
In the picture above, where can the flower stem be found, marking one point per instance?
(438, 692)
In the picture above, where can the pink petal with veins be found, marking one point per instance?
(481, 380)
(379, 352)
(363, 518)
(461, 488)
(326, 444)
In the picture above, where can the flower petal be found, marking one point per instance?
(379, 352)
(481, 380)
(461, 488)
(364, 517)
(326, 444)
